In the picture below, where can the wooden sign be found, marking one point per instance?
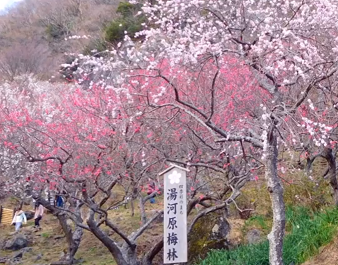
(6, 216)
(175, 215)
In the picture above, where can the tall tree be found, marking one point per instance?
(288, 50)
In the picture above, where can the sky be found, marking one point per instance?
(7, 3)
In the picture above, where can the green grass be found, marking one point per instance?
(306, 233)
(45, 235)
(261, 222)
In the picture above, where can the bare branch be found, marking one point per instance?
(140, 231)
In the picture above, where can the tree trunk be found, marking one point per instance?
(143, 212)
(76, 240)
(331, 160)
(73, 238)
(113, 248)
(276, 195)
(130, 255)
(331, 171)
(132, 207)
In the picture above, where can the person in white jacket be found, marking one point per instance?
(19, 218)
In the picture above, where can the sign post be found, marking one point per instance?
(175, 215)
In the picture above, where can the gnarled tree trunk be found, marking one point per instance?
(73, 237)
(113, 248)
(332, 172)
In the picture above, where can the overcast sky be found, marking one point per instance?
(7, 3)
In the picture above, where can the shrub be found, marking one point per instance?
(96, 44)
(56, 31)
(128, 22)
(126, 9)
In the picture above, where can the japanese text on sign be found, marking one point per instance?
(175, 216)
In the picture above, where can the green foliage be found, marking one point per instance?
(46, 235)
(244, 255)
(308, 232)
(258, 221)
(97, 44)
(126, 9)
(128, 22)
(115, 30)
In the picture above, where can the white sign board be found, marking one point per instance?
(175, 216)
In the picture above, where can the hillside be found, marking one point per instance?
(49, 244)
(33, 35)
(328, 255)
(235, 102)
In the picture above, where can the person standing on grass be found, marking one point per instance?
(38, 214)
(19, 218)
(151, 189)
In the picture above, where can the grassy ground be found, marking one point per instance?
(44, 244)
(50, 243)
(328, 255)
(306, 233)
(91, 251)
(297, 192)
